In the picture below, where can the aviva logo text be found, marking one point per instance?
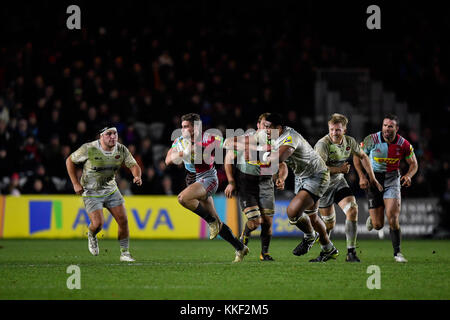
(41, 213)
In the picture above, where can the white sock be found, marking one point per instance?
(327, 247)
(124, 244)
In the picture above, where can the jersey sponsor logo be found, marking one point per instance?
(117, 157)
(386, 160)
(348, 148)
(287, 140)
(104, 168)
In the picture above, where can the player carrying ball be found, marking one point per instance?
(196, 150)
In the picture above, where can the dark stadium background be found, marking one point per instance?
(146, 62)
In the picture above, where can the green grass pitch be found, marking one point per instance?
(202, 270)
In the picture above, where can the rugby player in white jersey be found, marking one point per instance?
(101, 159)
(312, 178)
(335, 149)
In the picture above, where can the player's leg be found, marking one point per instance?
(329, 218)
(393, 207)
(266, 237)
(115, 205)
(189, 198)
(297, 217)
(329, 251)
(302, 222)
(326, 208)
(94, 208)
(119, 214)
(350, 208)
(225, 231)
(253, 222)
(248, 193)
(376, 206)
(266, 201)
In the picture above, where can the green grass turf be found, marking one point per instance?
(202, 269)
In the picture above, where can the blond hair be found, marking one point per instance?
(338, 118)
(263, 116)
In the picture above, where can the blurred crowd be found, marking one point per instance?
(55, 94)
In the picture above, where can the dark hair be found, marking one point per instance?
(191, 117)
(392, 117)
(276, 119)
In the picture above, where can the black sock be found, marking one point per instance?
(351, 250)
(203, 213)
(265, 242)
(395, 238)
(228, 235)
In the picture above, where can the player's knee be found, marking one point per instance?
(182, 199)
(122, 221)
(291, 213)
(393, 222)
(254, 223)
(352, 214)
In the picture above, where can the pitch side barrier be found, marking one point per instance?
(419, 218)
(162, 217)
(149, 217)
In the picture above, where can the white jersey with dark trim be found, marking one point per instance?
(100, 167)
(304, 161)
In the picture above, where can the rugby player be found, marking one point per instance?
(201, 179)
(101, 159)
(255, 189)
(312, 178)
(335, 149)
(386, 149)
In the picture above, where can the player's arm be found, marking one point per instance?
(365, 147)
(365, 161)
(413, 167)
(282, 175)
(133, 166)
(174, 156)
(229, 160)
(283, 153)
(72, 171)
(322, 149)
(137, 174)
(363, 182)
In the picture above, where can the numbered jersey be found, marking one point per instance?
(100, 167)
(335, 155)
(304, 161)
(385, 157)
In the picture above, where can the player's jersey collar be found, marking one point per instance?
(106, 153)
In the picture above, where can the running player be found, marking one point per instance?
(255, 189)
(201, 185)
(101, 159)
(386, 149)
(335, 149)
(311, 181)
